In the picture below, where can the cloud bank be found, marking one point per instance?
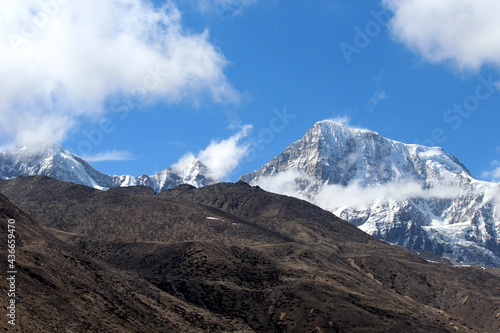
(332, 197)
(463, 32)
(62, 61)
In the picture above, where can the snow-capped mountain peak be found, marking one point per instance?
(192, 172)
(54, 161)
(375, 159)
(411, 195)
(50, 160)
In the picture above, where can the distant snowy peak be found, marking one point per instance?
(54, 161)
(377, 158)
(197, 174)
(193, 172)
(50, 160)
(411, 195)
(338, 154)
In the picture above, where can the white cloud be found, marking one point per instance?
(344, 120)
(61, 61)
(464, 32)
(494, 174)
(224, 156)
(332, 197)
(221, 156)
(185, 162)
(286, 183)
(111, 155)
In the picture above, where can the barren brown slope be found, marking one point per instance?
(465, 292)
(127, 217)
(296, 268)
(58, 290)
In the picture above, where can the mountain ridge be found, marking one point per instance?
(258, 259)
(421, 198)
(59, 289)
(410, 195)
(54, 161)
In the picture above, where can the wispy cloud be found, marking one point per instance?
(464, 32)
(185, 162)
(111, 155)
(493, 175)
(61, 61)
(221, 156)
(332, 197)
(344, 119)
(287, 183)
(377, 97)
(224, 8)
(379, 94)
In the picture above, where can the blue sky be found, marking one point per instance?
(417, 73)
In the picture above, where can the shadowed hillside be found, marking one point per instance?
(275, 263)
(59, 290)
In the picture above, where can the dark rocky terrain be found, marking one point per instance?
(247, 258)
(60, 290)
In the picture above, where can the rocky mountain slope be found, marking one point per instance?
(418, 197)
(57, 289)
(54, 161)
(267, 261)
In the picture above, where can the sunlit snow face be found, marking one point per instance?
(497, 208)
